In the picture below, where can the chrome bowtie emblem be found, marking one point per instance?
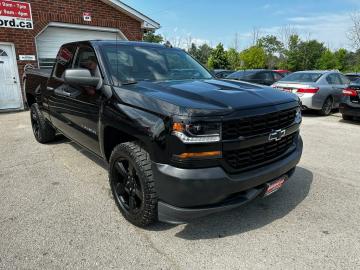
(277, 135)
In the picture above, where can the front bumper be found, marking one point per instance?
(186, 194)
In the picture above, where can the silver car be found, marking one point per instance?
(318, 90)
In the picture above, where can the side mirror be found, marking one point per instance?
(80, 77)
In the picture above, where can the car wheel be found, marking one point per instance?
(327, 107)
(347, 117)
(132, 184)
(42, 130)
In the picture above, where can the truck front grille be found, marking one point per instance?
(256, 125)
(253, 156)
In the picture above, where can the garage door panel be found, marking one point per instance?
(49, 41)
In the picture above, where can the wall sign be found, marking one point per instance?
(87, 16)
(15, 14)
(27, 58)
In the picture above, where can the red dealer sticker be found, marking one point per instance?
(15, 14)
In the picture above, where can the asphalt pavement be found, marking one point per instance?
(57, 211)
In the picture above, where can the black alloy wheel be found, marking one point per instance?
(35, 124)
(132, 184)
(127, 186)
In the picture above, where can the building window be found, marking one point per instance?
(3, 53)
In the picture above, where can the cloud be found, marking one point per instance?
(329, 28)
(266, 6)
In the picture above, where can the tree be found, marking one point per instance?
(217, 58)
(253, 57)
(340, 57)
(204, 53)
(233, 58)
(200, 53)
(150, 36)
(273, 49)
(303, 55)
(327, 60)
(354, 31)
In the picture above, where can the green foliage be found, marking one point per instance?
(253, 57)
(340, 56)
(201, 53)
(327, 60)
(233, 58)
(303, 55)
(218, 59)
(152, 37)
(274, 50)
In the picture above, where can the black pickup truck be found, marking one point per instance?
(179, 143)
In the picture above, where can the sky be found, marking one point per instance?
(211, 22)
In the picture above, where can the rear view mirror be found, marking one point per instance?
(80, 77)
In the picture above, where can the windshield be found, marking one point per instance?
(302, 77)
(139, 63)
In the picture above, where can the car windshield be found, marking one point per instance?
(141, 63)
(302, 77)
(243, 74)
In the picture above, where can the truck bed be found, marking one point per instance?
(35, 78)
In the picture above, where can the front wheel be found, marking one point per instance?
(132, 184)
(327, 107)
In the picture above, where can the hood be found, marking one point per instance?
(202, 96)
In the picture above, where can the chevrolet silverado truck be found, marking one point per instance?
(179, 143)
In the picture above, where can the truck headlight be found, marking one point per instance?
(298, 116)
(197, 133)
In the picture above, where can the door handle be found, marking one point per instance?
(61, 92)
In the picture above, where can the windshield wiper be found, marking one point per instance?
(129, 82)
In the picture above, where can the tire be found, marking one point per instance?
(132, 184)
(42, 130)
(347, 117)
(327, 107)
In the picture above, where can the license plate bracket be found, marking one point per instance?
(275, 185)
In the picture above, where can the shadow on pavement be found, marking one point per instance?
(61, 139)
(355, 121)
(255, 215)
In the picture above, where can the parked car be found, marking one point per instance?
(283, 72)
(350, 104)
(179, 143)
(353, 76)
(259, 76)
(222, 73)
(318, 90)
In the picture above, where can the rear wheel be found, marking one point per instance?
(132, 184)
(42, 130)
(327, 107)
(347, 117)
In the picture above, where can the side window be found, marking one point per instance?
(344, 80)
(277, 76)
(333, 79)
(63, 60)
(86, 58)
(266, 76)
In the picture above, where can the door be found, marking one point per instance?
(77, 108)
(337, 86)
(10, 92)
